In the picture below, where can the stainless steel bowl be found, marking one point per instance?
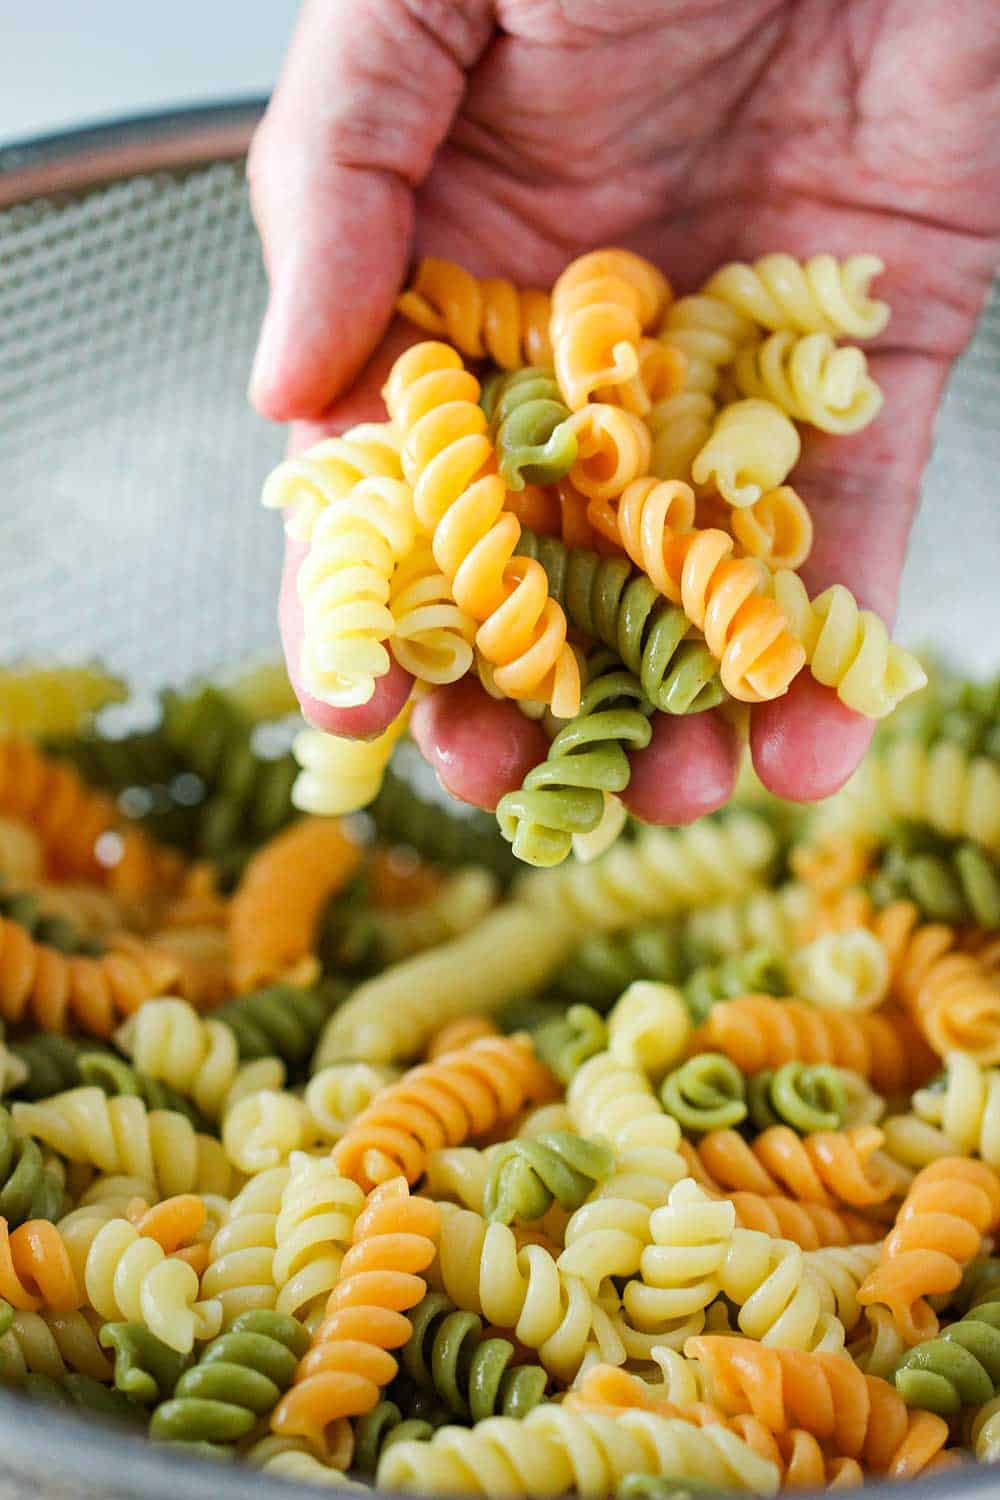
(130, 465)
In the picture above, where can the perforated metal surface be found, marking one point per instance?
(130, 462)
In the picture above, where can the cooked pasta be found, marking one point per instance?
(841, 970)
(815, 296)
(305, 486)
(481, 317)
(848, 648)
(240, 1271)
(601, 305)
(752, 449)
(313, 1229)
(535, 444)
(128, 1276)
(810, 379)
(340, 775)
(432, 638)
(960, 1368)
(199, 1057)
(744, 630)
(449, 1353)
(613, 448)
(777, 529)
(459, 503)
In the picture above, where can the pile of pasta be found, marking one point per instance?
(354, 1151)
(583, 497)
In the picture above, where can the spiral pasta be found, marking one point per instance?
(951, 1204)
(841, 970)
(756, 1031)
(965, 1109)
(528, 419)
(959, 1368)
(777, 529)
(459, 503)
(752, 449)
(340, 775)
(121, 1135)
(856, 1415)
(282, 1019)
(439, 1104)
(810, 379)
(601, 305)
(744, 630)
(613, 448)
(305, 486)
(449, 1354)
(313, 1229)
(848, 648)
(815, 296)
(240, 1270)
(41, 700)
(621, 608)
(169, 1041)
(949, 883)
(29, 1189)
(806, 1097)
(481, 317)
(53, 1344)
(343, 586)
(565, 1042)
(127, 1275)
(393, 1240)
(705, 1093)
(432, 638)
(564, 794)
(527, 1176)
(555, 1451)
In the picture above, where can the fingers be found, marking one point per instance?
(688, 769)
(366, 96)
(363, 402)
(862, 493)
(363, 722)
(480, 747)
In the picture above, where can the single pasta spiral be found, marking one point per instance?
(709, 334)
(856, 1415)
(343, 585)
(744, 630)
(349, 1362)
(312, 1231)
(601, 305)
(679, 1270)
(53, 1344)
(752, 449)
(534, 441)
(432, 638)
(830, 1166)
(951, 1204)
(439, 1104)
(307, 484)
(961, 1368)
(121, 1135)
(810, 379)
(966, 1108)
(459, 503)
(526, 1176)
(848, 648)
(169, 1041)
(37, 1269)
(817, 296)
(613, 448)
(128, 1276)
(841, 970)
(554, 1451)
(487, 317)
(340, 775)
(240, 1271)
(777, 529)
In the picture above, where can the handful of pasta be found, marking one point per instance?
(584, 496)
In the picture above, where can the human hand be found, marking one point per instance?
(513, 136)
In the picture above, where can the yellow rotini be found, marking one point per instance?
(810, 379)
(848, 648)
(752, 449)
(709, 333)
(120, 1135)
(846, 970)
(334, 1095)
(961, 1114)
(341, 775)
(777, 529)
(648, 1027)
(168, 1040)
(128, 1276)
(240, 1270)
(344, 584)
(262, 1129)
(819, 295)
(306, 485)
(432, 638)
(312, 1234)
(679, 426)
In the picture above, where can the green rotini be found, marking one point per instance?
(146, 1369)
(239, 1377)
(394, 1420)
(115, 1076)
(529, 422)
(52, 1061)
(565, 1042)
(950, 882)
(282, 1020)
(708, 1092)
(528, 1175)
(759, 972)
(447, 1353)
(808, 1098)
(618, 606)
(605, 964)
(30, 1190)
(564, 794)
(960, 1368)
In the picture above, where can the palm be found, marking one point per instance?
(709, 132)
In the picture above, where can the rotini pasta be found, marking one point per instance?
(601, 305)
(432, 638)
(481, 317)
(752, 449)
(815, 296)
(305, 486)
(810, 379)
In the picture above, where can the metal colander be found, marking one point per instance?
(131, 289)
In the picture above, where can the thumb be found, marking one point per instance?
(366, 95)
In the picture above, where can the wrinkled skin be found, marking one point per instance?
(513, 136)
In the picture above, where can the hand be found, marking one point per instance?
(513, 136)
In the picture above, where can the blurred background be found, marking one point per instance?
(128, 318)
(68, 62)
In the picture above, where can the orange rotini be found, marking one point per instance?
(601, 306)
(798, 1455)
(854, 1415)
(828, 1167)
(613, 448)
(458, 1034)
(35, 1268)
(465, 1093)
(171, 1223)
(483, 317)
(757, 1031)
(950, 1206)
(274, 914)
(459, 500)
(394, 1240)
(811, 1226)
(777, 529)
(55, 989)
(722, 595)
